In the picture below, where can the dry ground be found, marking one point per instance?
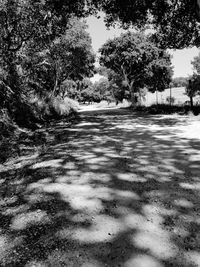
(114, 189)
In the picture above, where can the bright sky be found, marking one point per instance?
(181, 58)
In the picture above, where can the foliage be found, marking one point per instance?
(193, 86)
(135, 59)
(176, 23)
(104, 89)
(170, 99)
(54, 107)
(167, 109)
(196, 64)
(62, 107)
(179, 82)
(41, 46)
(68, 58)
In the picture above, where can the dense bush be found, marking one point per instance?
(167, 109)
(51, 107)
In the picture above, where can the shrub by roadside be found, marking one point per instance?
(21, 133)
(167, 109)
(49, 108)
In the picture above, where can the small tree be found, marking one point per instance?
(170, 100)
(193, 88)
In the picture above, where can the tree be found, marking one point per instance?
(179, 82)
(68, 57)
(193, 87)
(34, 24)
(137, 60)
(116, 86)
(196, 64)
(104, 89)
(160, 74)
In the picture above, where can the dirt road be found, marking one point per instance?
(113, 189)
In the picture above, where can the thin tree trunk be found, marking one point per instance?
(191, 102)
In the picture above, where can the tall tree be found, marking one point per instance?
(68, 57)
(135, 58)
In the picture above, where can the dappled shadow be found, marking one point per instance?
(114, 189)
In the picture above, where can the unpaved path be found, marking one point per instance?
(114, 189)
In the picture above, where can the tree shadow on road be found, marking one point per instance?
(114, 189)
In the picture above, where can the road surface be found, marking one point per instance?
(115, 188)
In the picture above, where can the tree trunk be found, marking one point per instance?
(133, 100)
(191, 102)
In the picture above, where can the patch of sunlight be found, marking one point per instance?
(144, 161)
(193, 257)
(190, 131)
(83, 130)
(23, 220)
(94, 167)
(134, 220)
(195, 157)
(143, 261)
(97, 160)
(183, 203)
(83, 203)
(164, 137)
(151, 236)
(194, 186)
(112, 154)
(130, 177)
(79, 196)
(6, 244)
(127, 126)
(11, 211)
(103, 177)
(68, 178)
(54, 163)
(173, 169)
(69, 165)
(45, 181)
(88, 155)
(124, 194)
(88, 124)
(98, 232)
(158, 243)
(165, 179)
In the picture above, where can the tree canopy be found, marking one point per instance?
(68, 57)
(196, 64)
(137, 61)
(176, 22)
(179, 82)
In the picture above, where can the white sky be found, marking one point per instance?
(181, 58)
